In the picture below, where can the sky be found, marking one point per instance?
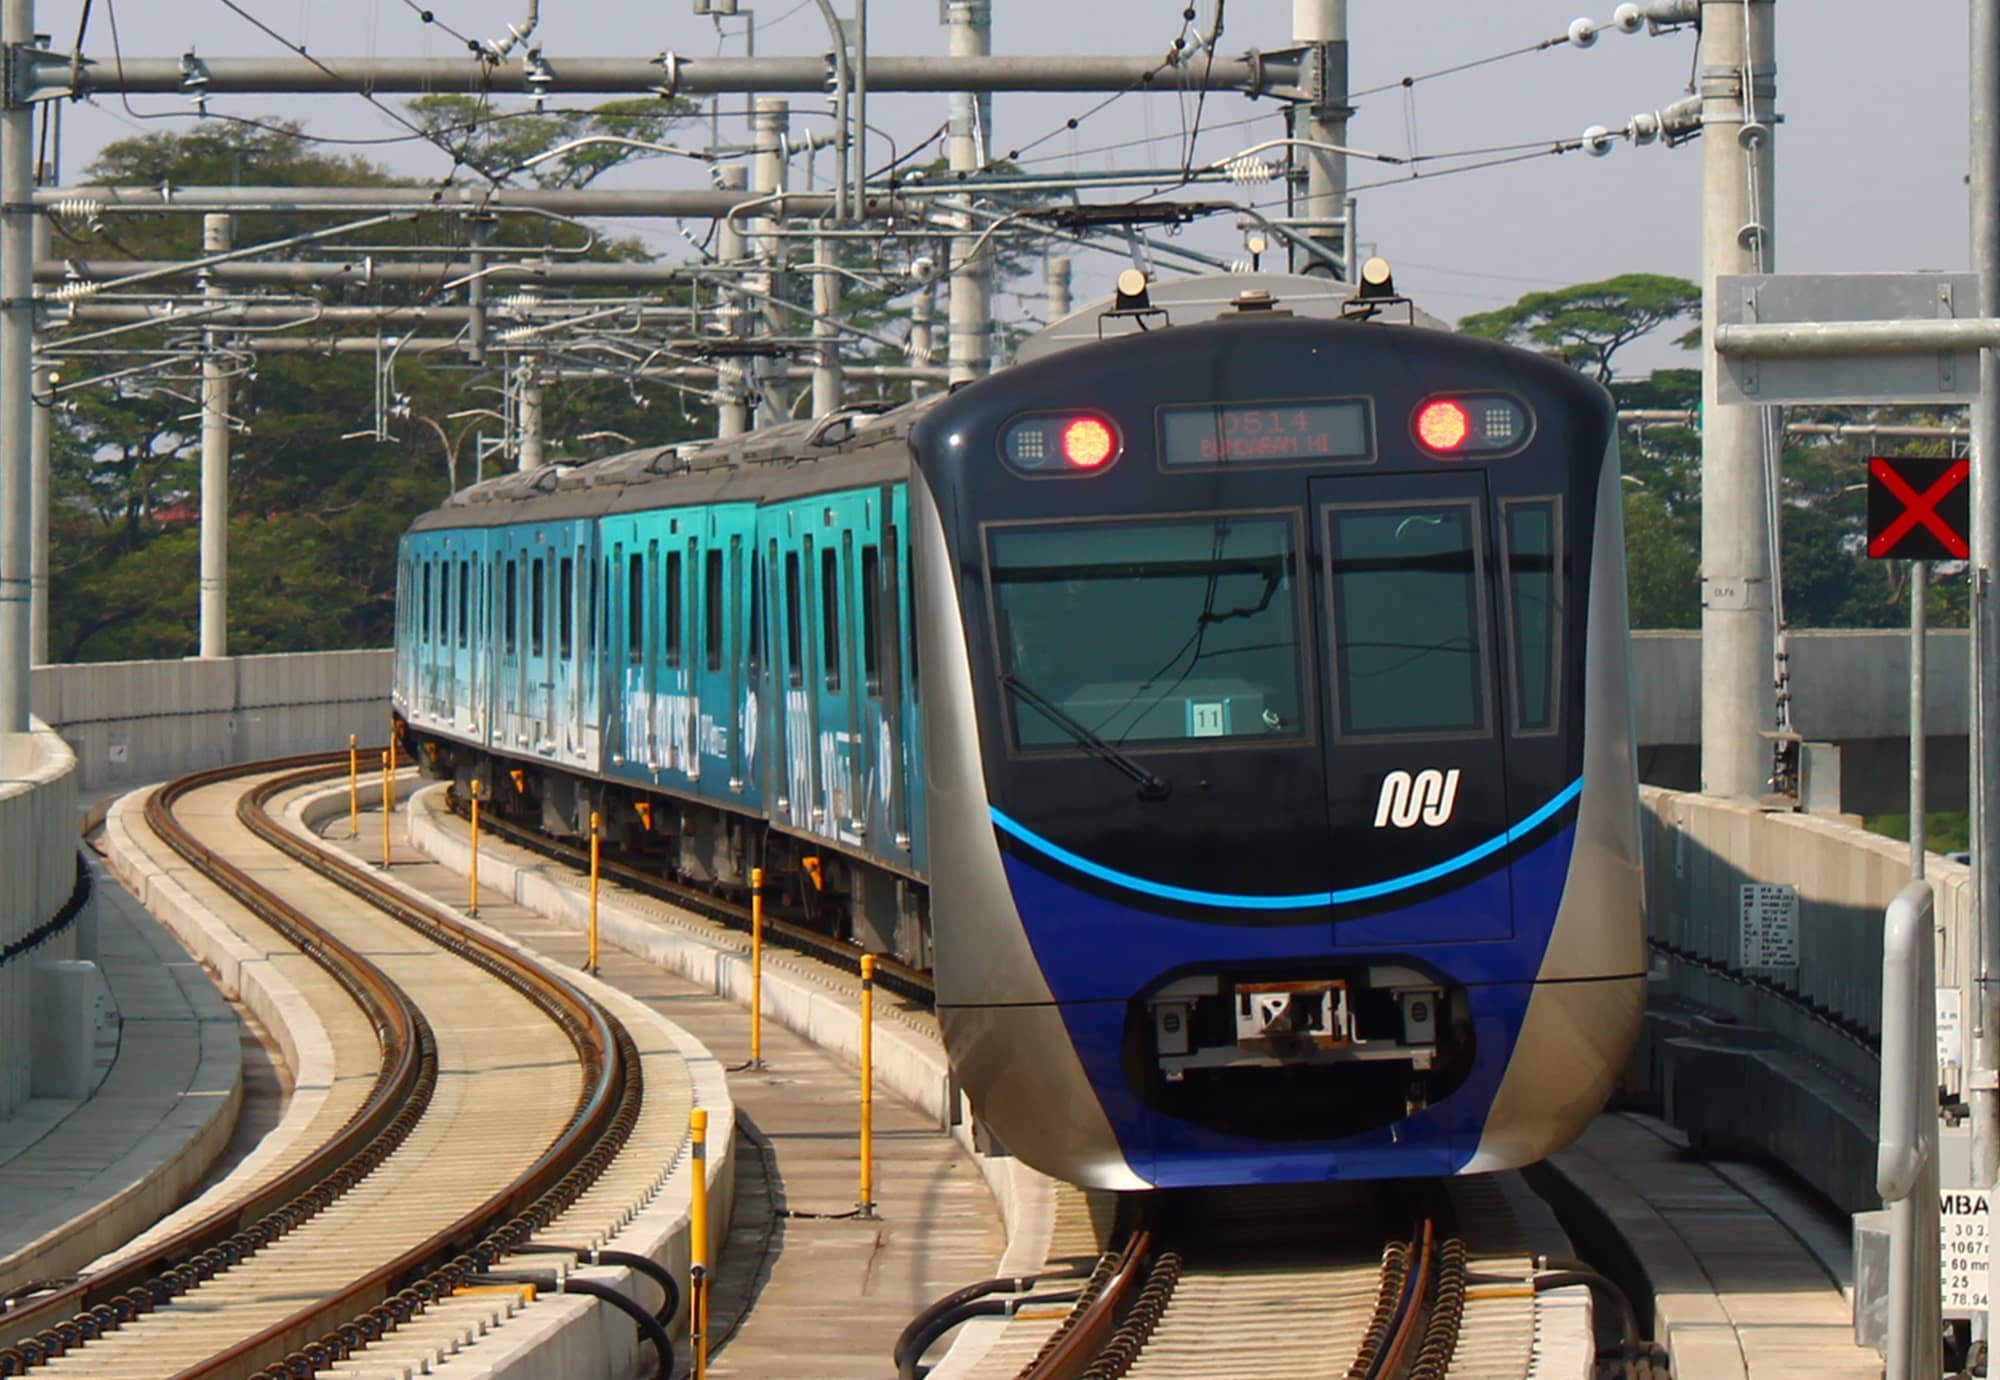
(1870, 154)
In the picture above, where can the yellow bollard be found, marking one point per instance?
(698, 1241)
(867, 1204)
(388, 794)
(353, 788)
(756, 967)
(472, 883)
(596, 843)
(392, 742)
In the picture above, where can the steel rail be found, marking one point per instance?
(46, 1327)
(393, 1293)
(1091, 1324)
(607, 1110)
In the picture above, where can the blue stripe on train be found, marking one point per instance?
(1095, 953)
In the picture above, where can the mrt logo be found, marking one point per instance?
(1429, 796)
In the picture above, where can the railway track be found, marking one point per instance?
(492, 1070)
(1238, 1284)
(1368, 1282)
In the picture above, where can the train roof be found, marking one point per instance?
(850, 449)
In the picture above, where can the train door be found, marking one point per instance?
(462, 653)
(562, 654)
(1410, 696)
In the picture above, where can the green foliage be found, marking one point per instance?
(503, 143)
(315, 510)
(1588, 323)
(1945, 831)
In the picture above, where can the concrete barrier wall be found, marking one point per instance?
(38, 840)
(134, 721)
(1700, 851)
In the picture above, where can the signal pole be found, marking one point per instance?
(969, 315)
(216, 238)
(1738, 88)
(1321, 26)
(1983, 1080)
(17, 364)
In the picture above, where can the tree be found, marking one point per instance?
(1586, 324)
(502, 143)
(315, 508)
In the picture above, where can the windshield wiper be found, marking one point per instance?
(1151, 786)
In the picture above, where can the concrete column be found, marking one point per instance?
(923, 310)
(42, 437)
(1323, 207)
(216, 237)
(827, 380)
(65, 1037)
(1057, 268)
(1738, 702)
(17, 346)
(770, 122)
(732, 407)
(969, 130)
(531, 417)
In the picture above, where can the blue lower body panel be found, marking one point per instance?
(1097, 955)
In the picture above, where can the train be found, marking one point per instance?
(1232, 712)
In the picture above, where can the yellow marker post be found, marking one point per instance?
(596, 844)
(472, 883)
(756, 967)
(388, 786)
(353, 787)
(698, 1241)
(867, 1203)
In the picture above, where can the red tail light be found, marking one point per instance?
(1087, 443)
(1442, 425)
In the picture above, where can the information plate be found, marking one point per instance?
(1964, 1217)
(1950, 1029)
(1768, 920)
(1950, 376)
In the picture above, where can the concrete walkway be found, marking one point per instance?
(1736, 1293)
(79, 1177)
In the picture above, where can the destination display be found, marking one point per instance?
(1266, 433)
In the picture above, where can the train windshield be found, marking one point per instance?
(1148, 632)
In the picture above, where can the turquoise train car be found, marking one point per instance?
(707, 646)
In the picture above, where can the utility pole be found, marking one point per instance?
(530, 415)
(1738, 76)
(1983, 1080)
(41, 443)
(770, 123)
(216, 238)
(826, 380)
(17, 365)
(1057, 268)
(969, 314)
(923, 309)
(732, 404)
(1321, 27)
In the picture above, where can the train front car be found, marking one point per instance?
(1282, 798)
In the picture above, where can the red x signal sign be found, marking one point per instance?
(1919, 507)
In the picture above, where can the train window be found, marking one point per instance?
(794, 642)
(1406, 621)
(673, 609)
(635, 609)
(829, 613)
(565, 607)
(424, 606)
(711, 592)
(871, 618)
(1532, 531)
(464, 604)
(1154, 631)
(512, 635)
(537, 609)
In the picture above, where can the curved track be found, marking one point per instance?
(492, 1070)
